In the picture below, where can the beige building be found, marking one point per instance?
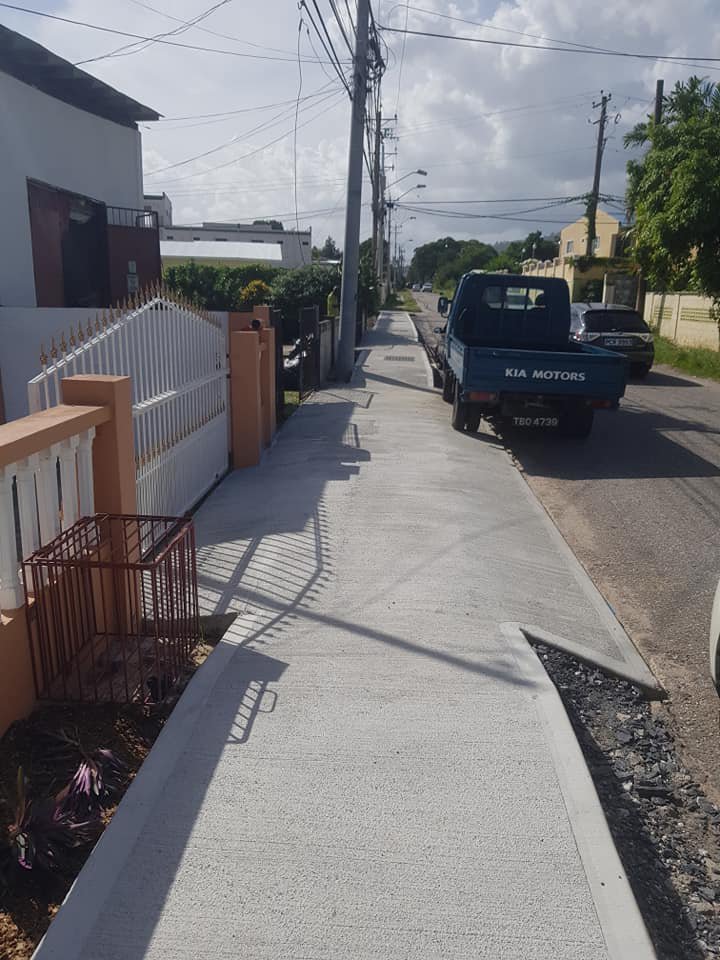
(574, 238)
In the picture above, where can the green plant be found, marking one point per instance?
(674, 192)
(697, 361)
(97, 775)
(257, 291)
(42, 832)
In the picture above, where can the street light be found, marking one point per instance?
(418, 186)
(419, 173)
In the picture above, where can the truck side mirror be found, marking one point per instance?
(442, 306)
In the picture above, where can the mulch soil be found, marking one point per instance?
(32, 897)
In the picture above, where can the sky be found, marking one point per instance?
(492, 123)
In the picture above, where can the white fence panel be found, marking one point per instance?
(40, 497)
(176, 357)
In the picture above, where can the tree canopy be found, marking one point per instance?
(674, 191)
(328, 251)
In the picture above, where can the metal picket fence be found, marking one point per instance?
(176, 357)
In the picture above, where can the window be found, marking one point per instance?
(569, 246)
(615, 321)
(306, 243)
(196, 238)
(595, 244)
(169, 237)
(221, 239)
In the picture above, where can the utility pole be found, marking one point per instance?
(351, 249)
(389, 247)
(659, 93)
(376, 188)
(595, 195)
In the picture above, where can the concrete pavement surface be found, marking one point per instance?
(373, 763)
(640, 508)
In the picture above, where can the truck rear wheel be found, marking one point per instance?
(459, 410)
(448, 383)
(472, 421)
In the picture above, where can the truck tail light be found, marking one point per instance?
(482, 396)
(585, 337)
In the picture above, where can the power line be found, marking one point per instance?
(252, 153)
(212, 33)
(224, 115)
(326, 41)
(138, 36)
(333, 7)
(295, 132)
(534, 46)
(402, 60)
(184, 25)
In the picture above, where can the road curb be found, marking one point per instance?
(633, 667)
(622, 925)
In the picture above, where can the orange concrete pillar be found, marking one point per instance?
(114, 446)
(267, 384)
(245, 398)
(241, 320)
(17, 686)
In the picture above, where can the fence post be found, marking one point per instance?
(267, 383)
(245, 409)
(114, 447)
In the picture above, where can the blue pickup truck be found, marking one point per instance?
(508, 354)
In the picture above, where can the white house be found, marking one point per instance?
(160, 204)
(73, 231)
(295, 246)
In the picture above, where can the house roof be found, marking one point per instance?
(221, 250)
(39, 67)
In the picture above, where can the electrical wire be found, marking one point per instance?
(126, 50)
(212, 33)
(534, 46)
(138, 36)
(341, 25)
(326, 42)
(402, 60)
(208, 119)
(264, 146)
(295, 131)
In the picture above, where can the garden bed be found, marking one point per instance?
(30, 898)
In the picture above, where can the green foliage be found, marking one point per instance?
(698, 361)
(257, 291)
(217, 288)
(328, 251)
(674, 192)
(307, 286)
(535, 245)
(429, 257)
(472, 256)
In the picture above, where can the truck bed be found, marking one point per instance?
(580, 370)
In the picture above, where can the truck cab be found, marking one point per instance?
(508, 354)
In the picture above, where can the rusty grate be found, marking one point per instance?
(113, 609)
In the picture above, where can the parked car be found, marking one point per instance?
(617, 328)
(715, 641)
(416, 287)
(507, 354)
(427, 288)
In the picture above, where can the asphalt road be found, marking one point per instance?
(639, 503)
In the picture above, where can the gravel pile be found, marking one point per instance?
(666, 830)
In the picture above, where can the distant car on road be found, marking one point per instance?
(715, 641)
(416, 287)
(427, 288)
(617, 328)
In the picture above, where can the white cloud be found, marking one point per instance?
(486, 122)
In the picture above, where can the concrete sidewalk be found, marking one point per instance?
(373, 765)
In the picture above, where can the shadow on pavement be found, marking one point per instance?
(630, 444)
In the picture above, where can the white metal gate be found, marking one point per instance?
(176, 356)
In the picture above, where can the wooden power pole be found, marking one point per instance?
(595, 194)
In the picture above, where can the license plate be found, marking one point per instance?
(548, 422)
(618, 342)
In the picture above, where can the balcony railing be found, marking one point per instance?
(128, 217)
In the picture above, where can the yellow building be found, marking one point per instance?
(574, 238)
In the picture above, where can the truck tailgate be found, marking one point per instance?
(581, 371)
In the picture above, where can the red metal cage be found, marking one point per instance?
(113, 609)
